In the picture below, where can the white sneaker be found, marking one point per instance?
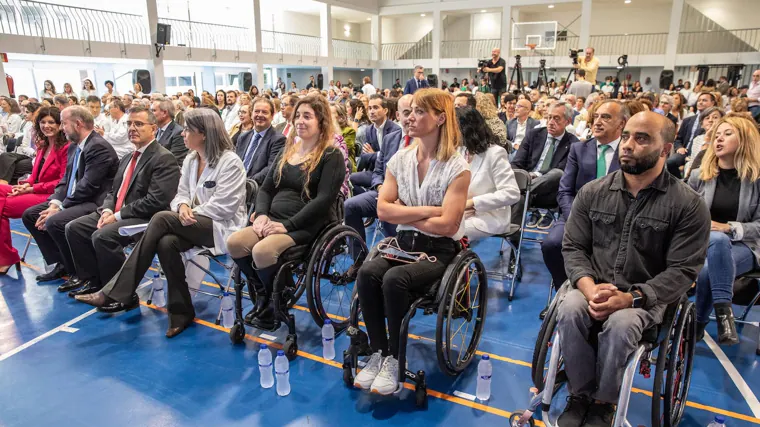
(386, 381)
(367, 375)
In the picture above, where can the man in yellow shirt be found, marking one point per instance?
(590, 64)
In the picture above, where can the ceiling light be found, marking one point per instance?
(422, 14)
(369, 19)
(551, 6)
(627, 1)
(362, 69)
(483, 11)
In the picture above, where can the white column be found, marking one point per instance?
(4, 84)
(506, 33)
(376, 34)
(437, 43)
(325, 29)
(327, 75)
(585, 24)
(671, 49)
(156, 65)
(257, 25)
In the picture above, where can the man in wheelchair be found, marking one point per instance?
(634, 243)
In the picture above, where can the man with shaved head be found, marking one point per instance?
(634, 243)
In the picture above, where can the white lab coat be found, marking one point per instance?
(117, 136)
(493, 189)
(224, 202)
(230, 116)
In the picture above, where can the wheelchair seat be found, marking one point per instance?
(295, 253)
(430, 301)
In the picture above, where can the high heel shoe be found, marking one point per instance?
(5, 269)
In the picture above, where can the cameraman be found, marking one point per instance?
(589, 64)
(496, 69)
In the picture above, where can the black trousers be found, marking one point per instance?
(543, 193)
(386, 288)
(496, 92)
(98, 253)
(13, 166)
(551, 248)
(52, 240)
(167, 237)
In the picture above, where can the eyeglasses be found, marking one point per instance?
(138, 125)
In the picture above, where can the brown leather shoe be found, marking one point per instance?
(97, 299)
(173, 332)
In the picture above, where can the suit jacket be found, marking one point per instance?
(173, 141)
(48, 177)
(532, 147)
(391, 144)
(280, 128)
(152, 187)
(367, 160)
(747, 225)
(411, 86)
(512, 128)
(493, 189)
(269, 147)
(685, 136)
(97, 167)
(579, 171)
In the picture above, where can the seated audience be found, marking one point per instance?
(729, 182)
(493, 188)
(259, 148)
(169, 132)
(116, 133)
(49, 167)
(144, 185)
(244, 126)
(686, 133)
(230, 111)
(507, 108)
(348, 133)
(634, 243)
(295, 202)
(487, 108)
(709, 117)
(521, 124)
(285, 127)
(429, 212)
(208, 207)
(90, 170)
(374, 139)
(17, 161)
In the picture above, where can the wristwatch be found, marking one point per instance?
(638, 299)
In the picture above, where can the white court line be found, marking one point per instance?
(62, 328)
(464, 395)
(735, 376)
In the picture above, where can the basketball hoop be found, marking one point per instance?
(531, 46)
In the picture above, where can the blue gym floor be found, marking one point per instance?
(63, 364)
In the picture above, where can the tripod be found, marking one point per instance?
(570, 74)
(517, 69)
(542, 78)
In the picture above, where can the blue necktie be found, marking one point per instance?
(251, 149)
(74, 169)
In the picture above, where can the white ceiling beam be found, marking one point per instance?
(462, 5)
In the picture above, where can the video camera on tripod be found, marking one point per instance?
(574, 55)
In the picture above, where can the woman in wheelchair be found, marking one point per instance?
(292, 205)
(729, 181)
(425, 192)
(493, 188)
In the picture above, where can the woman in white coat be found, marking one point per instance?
(493, 188)
(208, 207)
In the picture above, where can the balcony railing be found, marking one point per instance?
(37, 19)
(747, 40)
(353, 50)
(411, 50)
(630, 44)
(289, 43)
(468, 48)
(209, 36)
(562, 47)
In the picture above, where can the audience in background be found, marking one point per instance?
(116, 133)
(259, 148)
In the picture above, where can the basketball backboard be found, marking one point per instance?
(541, 35)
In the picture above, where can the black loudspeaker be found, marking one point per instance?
(245, 81)
(142, 77)
(666, 79)
(163, 34)
(320, 81)
(734, 74)
(433, 80)
(703, 72)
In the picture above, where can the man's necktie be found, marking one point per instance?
(694, 129)
(159, 133)
(407, 140)
(601, 161)
(126, 181)
(286, 131)
(547, 164)
(74, 169)
(251, 149)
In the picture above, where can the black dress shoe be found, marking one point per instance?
(262, 301)
(575, 411)
(727, 334)
(265, 320)
(88, 288)
(115, 306)
(74, 282)
(543, 312)
(58, 272)
(701, 326)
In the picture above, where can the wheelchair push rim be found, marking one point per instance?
(679, 366)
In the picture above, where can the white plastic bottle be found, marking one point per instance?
(228, 311)
(485, 369)
(265, 366)
(328, 340)
(282, 371)
(159, 297)
(718, 421)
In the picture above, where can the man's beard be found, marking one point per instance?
(643, 164)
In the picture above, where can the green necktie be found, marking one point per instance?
(547, 164)
(601, 161)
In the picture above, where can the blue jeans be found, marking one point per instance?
(715, 283)
(364, 206)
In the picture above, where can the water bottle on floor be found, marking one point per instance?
(328, 340)
(159, 297)
(265, 366)
(718, 421)
(228, 311)
(282, 371)
(484, 378)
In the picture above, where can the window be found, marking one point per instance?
(184, 81)
(219, 79)
(171, 81)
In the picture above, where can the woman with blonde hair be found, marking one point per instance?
(348, 133)
(487, 108)
(729, 181)
(425, 193)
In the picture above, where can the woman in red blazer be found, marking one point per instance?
(49, 168)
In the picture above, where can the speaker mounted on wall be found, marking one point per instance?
(163, 37)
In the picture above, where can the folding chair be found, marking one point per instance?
(743, 295)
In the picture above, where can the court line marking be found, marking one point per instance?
(63, 328)
(443, 396)
(735, 376)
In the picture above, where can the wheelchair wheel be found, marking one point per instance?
(461, 313)
(543, 344)
(679, 366)
(299, 286)
(331, 275)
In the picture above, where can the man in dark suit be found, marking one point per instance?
(168, 132)
(587, 161)
(90, 170)
(686, 133)
(518, 128)
(374, 138)
(543, 155)
(417, 82)
(259, 148)
(287, 106)
(145, 184)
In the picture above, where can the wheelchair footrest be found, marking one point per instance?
(359, 341)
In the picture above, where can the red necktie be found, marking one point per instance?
(286, 131)
(406, 140)
(126, 181)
